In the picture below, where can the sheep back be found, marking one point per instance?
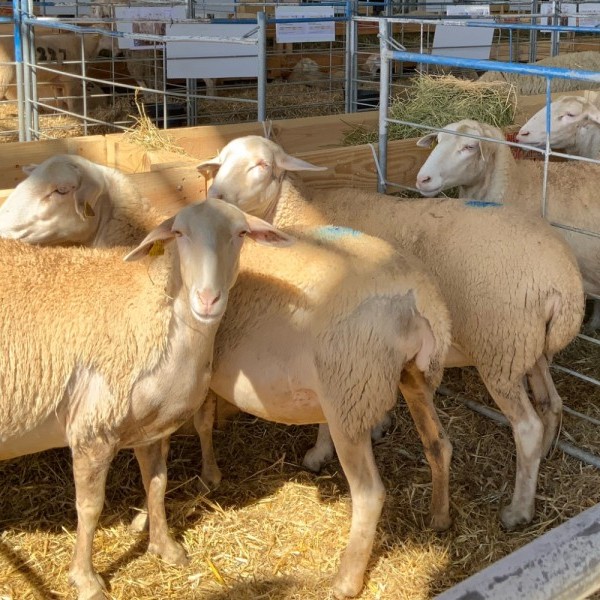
(70, 308)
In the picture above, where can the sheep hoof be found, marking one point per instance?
(171, 552)
(314, 459)
(211, 479)
(139, 523)
(513, 517)
(440, 522)
(90, 586)
(346, 587)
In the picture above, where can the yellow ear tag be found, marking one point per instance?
(158, 248)
(88, 211)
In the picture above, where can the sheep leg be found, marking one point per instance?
(204, 421)
(153, 465)
(528, 433)
(368, 495)
(321, 452)
(90, 469)
(438, 449)
(546, 401)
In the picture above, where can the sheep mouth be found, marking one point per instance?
(207, 318)
(430, 193)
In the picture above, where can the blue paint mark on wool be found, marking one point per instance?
(331, 232)
(481, 203)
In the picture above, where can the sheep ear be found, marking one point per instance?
(29, 169)
(427, 141)
(208, 169)
(154, 243)
(290, 163)
(593, 113)
(264, 233)
(86, 196)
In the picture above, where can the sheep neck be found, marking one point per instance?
(293, 205)
(495, 182)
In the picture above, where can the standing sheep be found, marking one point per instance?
(487, 171)
(287, 349)
(103, 357)
(527, 85)
(307, 72)
(574, 126)
(511, 284)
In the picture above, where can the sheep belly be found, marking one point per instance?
(274, 381)
(47, 434)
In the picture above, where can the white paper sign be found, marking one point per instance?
(201, 60)
(593, 10)
(315, 31)
(464, 42)
(145, 19)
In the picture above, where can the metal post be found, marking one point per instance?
(261, 18)
(191, 85)
(555, 35)
(84, 86)
(384, 96)
(535, 9)
(18, 25)
(351, 62)
(28, 78)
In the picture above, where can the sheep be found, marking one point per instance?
(56, 49)
(307, 72)
(574, 126)
(304, 315)
(91, 358)
(372, 66)
(511, 284)
(527, 85)
(69, 199)
(486, 171)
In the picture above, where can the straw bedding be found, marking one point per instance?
(276, 532)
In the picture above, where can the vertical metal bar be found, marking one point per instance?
(191, 85)
(262, 66)
(547, 151)
(35, 109)
(535, 9)
(26, 39)
(17, 28)
(349, 58)
(84, 86)
(555, 35)
(384, 95)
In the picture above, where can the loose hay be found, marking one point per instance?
(438, 100)
(274, 531)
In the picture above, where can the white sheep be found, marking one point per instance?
(54, 50)
(532, 84)
(372, 66)
(574, 126)
(69, 199)
(288, 348)
(307, 72)
(511, 284)
(103, 356)
(487, 171)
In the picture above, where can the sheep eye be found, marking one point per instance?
(61, 192)
(570, 115)
(177, 233)
(469, 147)
(243, 233)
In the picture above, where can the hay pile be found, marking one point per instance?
(274, 531)
(438, 100)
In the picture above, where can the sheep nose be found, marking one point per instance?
(421, 179)
(208, 298)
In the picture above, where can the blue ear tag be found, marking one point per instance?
(332, 232)
(481, 204)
